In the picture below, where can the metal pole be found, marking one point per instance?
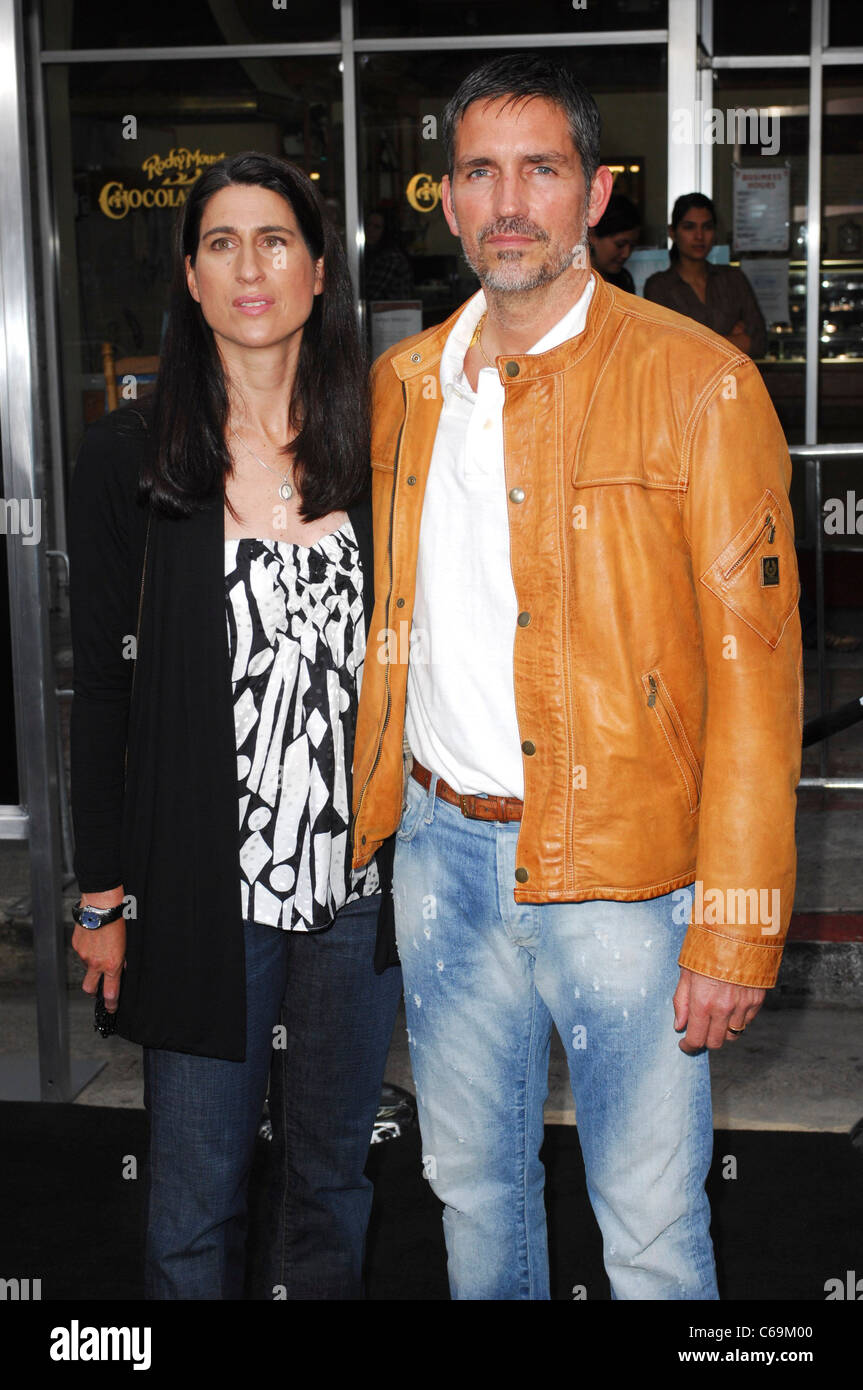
(35, 709)
(48, 247)
(683, 87)
(353, 231)
(813, 225)
(823, 697)
(705, 82)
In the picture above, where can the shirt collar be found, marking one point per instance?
(452, 359)
(452, 376)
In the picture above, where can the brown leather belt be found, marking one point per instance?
(474, 807)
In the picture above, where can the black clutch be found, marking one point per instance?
(105, 1022)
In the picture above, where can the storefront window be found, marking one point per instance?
(846, 23)
(760, 172)
(381, 19)
(166, 24)
(9, 791)
(127, 140)
(841, 325)
(771, 26)
(410, 255)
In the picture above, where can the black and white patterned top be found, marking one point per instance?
(297, 644)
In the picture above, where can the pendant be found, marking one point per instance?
(286, 491)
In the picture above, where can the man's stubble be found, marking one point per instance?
(500, 271)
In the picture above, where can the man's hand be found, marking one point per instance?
(707, 1009)
(103, 951)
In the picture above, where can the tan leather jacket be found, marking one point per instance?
(657, 658)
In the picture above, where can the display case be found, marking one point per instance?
(841, 335)
(840, 389)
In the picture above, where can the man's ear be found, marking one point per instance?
(447, 204)
(191, 279)
(600, 192)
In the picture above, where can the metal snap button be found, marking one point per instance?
(523, 619)
(516, 494)
(528, 748)
(521, 875)
(512, 369)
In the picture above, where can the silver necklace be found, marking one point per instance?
(286, 490)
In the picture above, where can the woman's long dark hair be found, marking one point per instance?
(329, 405)
(681, 208)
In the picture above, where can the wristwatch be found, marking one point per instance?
(92, 917)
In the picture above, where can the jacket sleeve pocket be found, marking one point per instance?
(755, 575)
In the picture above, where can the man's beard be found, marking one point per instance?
(502, 271)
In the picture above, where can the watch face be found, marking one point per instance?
(89, 918)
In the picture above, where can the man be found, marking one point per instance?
(581, 506)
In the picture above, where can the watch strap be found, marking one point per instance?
(94, 917)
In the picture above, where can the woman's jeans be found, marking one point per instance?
(318, 1027)
(484, 977)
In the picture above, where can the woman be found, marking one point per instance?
(613, 240)
(241, 575)
(719, 296)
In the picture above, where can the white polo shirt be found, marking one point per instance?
(460, 720)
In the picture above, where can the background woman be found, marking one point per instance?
(719, 296)
(613, 240)
(240, 571)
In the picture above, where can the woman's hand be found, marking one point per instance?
(103, 950)
(738, 337)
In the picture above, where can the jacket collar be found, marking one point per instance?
(424, 354)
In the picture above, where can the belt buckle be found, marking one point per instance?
(461, 801)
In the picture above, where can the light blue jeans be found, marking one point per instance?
(484, 977)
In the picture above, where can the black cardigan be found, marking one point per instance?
(167, 829)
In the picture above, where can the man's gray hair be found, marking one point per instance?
(519, 76)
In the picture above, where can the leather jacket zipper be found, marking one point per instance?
(672, 726)
(741, 559)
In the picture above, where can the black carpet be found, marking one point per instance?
(789, 1221)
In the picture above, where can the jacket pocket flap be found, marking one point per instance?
(755, 575)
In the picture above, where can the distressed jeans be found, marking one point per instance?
(484, 978)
